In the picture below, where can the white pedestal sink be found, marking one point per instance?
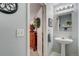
(63, 41)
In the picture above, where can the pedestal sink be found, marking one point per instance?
(63, 41)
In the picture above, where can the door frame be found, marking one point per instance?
(44, 28)
(27, 31)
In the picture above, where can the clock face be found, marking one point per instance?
(8, 8)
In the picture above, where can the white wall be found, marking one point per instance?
(39, 32)
(49, 9)
(10, 45)
(34, 8)
(78, 28)
(71, 49)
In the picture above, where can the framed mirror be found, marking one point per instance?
(65, 22)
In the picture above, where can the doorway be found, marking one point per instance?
(36, 18)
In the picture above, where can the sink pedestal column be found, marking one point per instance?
(62, 49)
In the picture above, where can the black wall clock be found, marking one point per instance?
(8, 8)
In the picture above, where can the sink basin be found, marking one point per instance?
(63, 40)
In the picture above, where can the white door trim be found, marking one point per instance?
(44, 31)
(45, 24)
(27, 31)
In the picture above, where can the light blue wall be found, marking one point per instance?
(10, 45)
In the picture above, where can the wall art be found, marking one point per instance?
(8, 8)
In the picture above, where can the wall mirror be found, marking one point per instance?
(65, 22)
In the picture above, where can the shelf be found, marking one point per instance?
(67, 26)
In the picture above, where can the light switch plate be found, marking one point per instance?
(20, 32)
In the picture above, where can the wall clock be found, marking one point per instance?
(8, 8)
